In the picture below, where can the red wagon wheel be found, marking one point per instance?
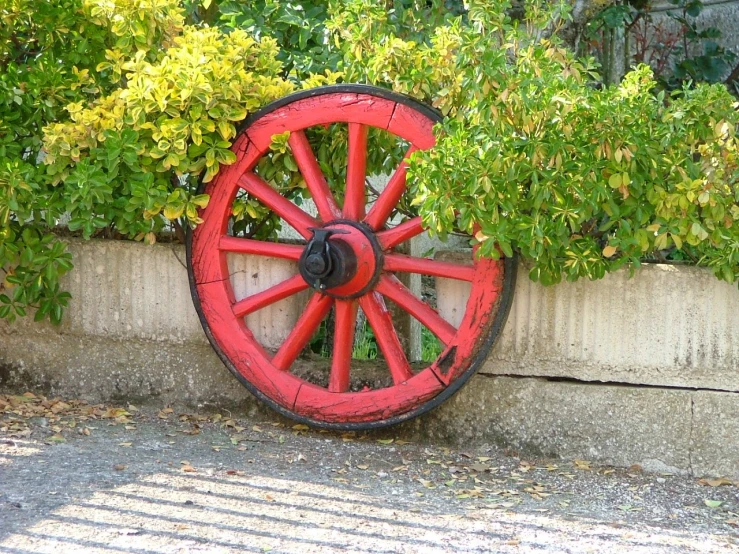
(348, 261)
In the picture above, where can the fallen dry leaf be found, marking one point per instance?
(426, 483)
(715, 482)
(60, 407)
(114, 413)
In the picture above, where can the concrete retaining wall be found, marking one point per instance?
(669, 326)
(640, 371)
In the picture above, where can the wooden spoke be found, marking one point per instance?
(356, 172)
(398, 235)
(257, 301)
(346, 318)
(260, 248)
(314, 178)
(381, 322)
(315, 312)
(409, 264)
(390, 196)
(396, 291)
(297, 218)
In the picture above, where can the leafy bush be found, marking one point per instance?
(135, 106)
(534, 158)
(298, 27)
(48, 52)
(132, 155)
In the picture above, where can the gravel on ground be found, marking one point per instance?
(153, 479)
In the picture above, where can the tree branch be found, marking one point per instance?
(733, 76)
(571, 31)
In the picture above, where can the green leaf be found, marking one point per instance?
(290, 163)
(173, 211)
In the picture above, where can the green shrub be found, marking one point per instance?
(137, 153)
(109, 113)
(534, 158)
(298, 27)
(48, 54)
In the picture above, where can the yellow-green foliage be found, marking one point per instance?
(138, 25)
(579, 179)
(175, 116)
(135, 107)
(49, 56)
(531, 156)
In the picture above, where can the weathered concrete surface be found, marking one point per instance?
(715, 433)
(618, 425)
(126, 290)
(101, 369)
(719, 14)
(716, 14)
(675, 326)
(148, 485)
(132, 333)
(659, 429)
(451, 295)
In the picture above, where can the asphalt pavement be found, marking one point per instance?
(155, 479)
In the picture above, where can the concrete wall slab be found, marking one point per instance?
(132, 334)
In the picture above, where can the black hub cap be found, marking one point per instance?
(327, 264)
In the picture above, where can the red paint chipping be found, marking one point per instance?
(268, 373)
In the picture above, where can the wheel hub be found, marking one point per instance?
(327, 264)
(342, 260)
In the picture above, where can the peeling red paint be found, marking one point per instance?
(268, 374)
